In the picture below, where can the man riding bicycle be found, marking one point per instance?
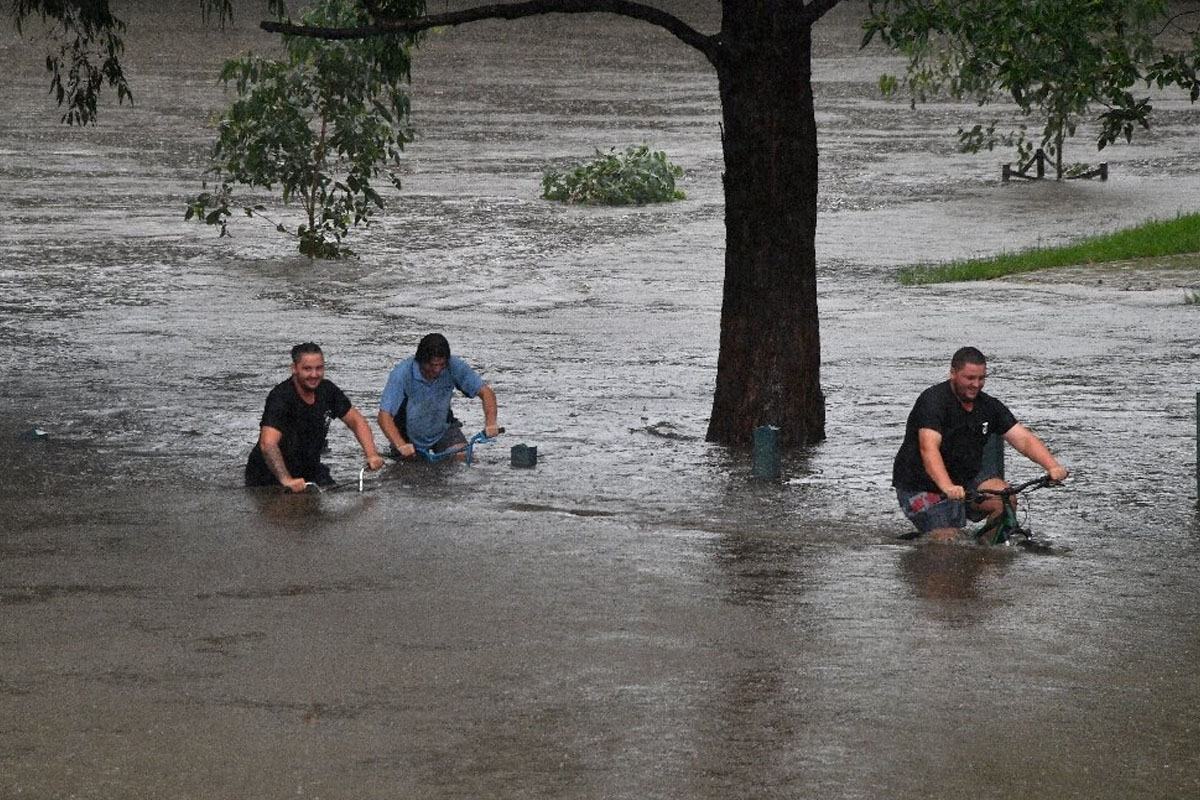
(939, 466)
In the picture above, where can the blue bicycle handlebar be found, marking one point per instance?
(468, 448)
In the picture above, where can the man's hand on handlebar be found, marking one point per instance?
(955, 493)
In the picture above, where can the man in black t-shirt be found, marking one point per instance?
(294, 424)
(941, 459)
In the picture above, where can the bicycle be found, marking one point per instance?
(1006, 527)
(468, 448)
(429, 455)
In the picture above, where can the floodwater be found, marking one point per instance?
(635, 617)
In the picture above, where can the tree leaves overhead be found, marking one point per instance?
(87, 43)
(85, 54)
(223, 9)
(1180, 67)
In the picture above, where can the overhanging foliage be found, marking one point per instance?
(1056, 60)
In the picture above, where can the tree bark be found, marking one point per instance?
(768, 368)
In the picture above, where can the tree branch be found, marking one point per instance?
(531, 8)
(1172, 22)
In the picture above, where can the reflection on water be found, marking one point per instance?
(309, 512)
(958, 581)
(635, 617)
(950, 572)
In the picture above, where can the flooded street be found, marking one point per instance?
(636, 617)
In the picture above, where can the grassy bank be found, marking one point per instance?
(1150, 240)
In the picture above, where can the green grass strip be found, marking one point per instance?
(1149, 240)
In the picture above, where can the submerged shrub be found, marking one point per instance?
(635, 177)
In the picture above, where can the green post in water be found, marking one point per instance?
(766, 452)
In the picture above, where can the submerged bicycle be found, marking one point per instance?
(428, 455)
(1007, 527)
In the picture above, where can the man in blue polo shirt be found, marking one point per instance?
(415, 408)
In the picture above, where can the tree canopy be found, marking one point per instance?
(1056, 60)
(86, 46)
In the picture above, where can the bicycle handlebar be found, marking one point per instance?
(468, 448)
(1027, 486)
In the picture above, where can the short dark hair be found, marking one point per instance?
(967, 355)
(301, 350)
(432, 346)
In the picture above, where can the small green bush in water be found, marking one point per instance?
(635, 177)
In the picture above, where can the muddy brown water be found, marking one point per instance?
(635, 617)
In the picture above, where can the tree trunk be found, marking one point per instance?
(308, 246)
(768, 369)
(1058, 148)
